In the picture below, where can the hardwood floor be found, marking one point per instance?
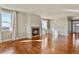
(62, 45)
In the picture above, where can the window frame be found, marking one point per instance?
(11, 24)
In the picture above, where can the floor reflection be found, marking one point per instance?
(46, 45)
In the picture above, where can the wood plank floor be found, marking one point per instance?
(45, 45)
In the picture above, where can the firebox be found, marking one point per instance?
(35, 31)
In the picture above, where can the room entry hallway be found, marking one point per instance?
(63, 45)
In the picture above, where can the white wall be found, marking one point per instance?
(33, 21)
(21, 25)
(60, 24)
(6, 36)
(25, 22)
(0, 26)
(0, 37)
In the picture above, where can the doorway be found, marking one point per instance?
(46, 34)
(44, 30)
(73, 33)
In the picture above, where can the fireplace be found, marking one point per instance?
(35, 31)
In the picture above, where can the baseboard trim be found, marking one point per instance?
(35, 36)
(6, 40)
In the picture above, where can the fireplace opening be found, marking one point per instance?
(35, 31)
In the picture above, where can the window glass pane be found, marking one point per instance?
(75, 26)
(6, 20)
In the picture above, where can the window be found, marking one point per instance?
(6, 20)
(44, 26)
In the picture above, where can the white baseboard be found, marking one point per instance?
(20, 37)
(6, 40)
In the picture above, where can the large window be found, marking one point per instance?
(6, 20)
(44, 26)
(75, 25)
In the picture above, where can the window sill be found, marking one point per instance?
(6, 31)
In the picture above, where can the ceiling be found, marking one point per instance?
(45, 10)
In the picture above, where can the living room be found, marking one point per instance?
(38, 28)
